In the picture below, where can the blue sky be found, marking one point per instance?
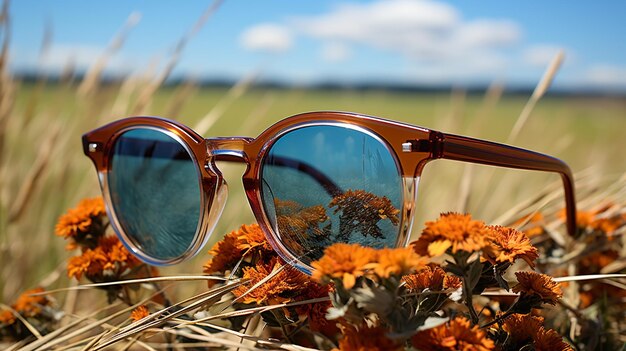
(408, 41)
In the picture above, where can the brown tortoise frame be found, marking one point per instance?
(412, 147)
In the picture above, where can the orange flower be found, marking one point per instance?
(598, 220)
(230, 250)
(540, 285)
(110, 255)
(452, 230)
(80, 219)
(397, 262)
(251, 237)
(522, 327)
(139, 313)
(366, 339)
(28, 304)
(431, 277)
(7, 317)
(318, 321)
(508, 245)
(343, 261)
(454, 335)
(593, 263)
(282, 287)
(312, 291)
(532, 224)
(361, 211)
(549, 340)
(296, 220)
(88, 262)
(225, 254)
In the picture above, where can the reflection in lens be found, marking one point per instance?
(155, 192)
(327, 184)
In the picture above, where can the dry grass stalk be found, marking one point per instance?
(34, 177)
(148, 92)
(538, 93)
(222, 105)
(92, 77)
(159, 318)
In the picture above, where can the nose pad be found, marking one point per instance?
(217, 204)
(216, 194)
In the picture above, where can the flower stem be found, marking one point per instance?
(467, 291)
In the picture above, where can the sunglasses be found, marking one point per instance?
(312, 180)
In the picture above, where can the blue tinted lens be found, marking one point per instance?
(155, 191)
(329, 184)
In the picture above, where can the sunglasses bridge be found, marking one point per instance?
(227, 149)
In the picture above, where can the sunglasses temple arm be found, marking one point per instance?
(460, 148)
(322, 179)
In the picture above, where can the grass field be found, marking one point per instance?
(43, 171)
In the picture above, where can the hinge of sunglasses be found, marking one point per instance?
(93, 147)
(417, 146)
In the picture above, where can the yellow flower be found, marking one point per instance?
(398, 262)
(454, 231)
(431, 277)
(280, 288)
(454, 335)
(79, 219)
(540, 285)
(139, 313)
(343, 261)
(508, 245)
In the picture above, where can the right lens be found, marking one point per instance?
(155, 192)
(324, 184)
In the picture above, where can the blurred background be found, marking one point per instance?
(548, 76)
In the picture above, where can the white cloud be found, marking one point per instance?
(540, 55)
(374, 22)
(430, 35)
(267, 37)
(420, 30)
(80, 57)
(335, 52)
(487, 33)
(606, 76)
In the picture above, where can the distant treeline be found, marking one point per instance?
(477, 89)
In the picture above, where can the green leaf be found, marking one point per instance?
(501, 281)
(474, 274)
(455, 269)
(432, 322)
(374, 299)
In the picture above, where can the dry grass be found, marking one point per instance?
(43, 172)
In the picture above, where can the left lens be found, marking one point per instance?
(324, 184)
(155, 192)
